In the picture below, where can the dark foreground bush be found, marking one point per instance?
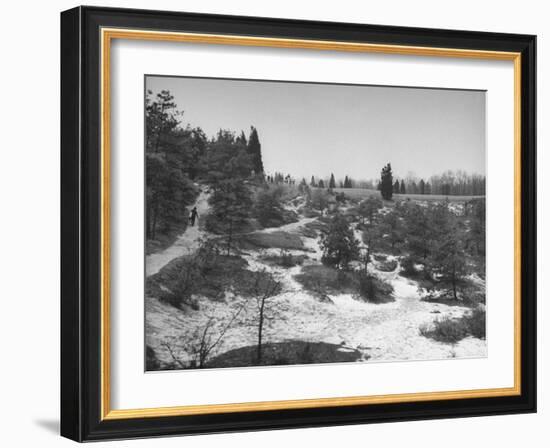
(151, 362)
(451, 330)
(285, 353)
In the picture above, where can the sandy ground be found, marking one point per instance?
(381, 332)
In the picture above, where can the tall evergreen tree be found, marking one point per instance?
(254, 149)
(386, 182)
(242, 139)
(332, 182)
(396, 187)
(402, 189)
(312, 183)
(321, 184)
(422, 187)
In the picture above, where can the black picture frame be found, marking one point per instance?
(81, 224)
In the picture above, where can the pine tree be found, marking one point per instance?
(402, 189)
(428, 188)
(230, 205)
(422, 187)
(319, 200)
(368, 210)
(321, 184)
(448, 257)
(254, 149)
(332, 182)
(396, 187)
(386, 182)
(242, 139)
(393, 227)
(312, 183)
(419, 231)
(339, 244)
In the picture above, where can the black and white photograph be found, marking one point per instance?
(305, 223)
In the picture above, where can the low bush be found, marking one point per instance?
(452, 330)
(447, 330)
(374, 290)
(476, 322)
(387, 265)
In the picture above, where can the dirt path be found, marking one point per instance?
(186, 242)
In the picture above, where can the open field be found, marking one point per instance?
(361, 193)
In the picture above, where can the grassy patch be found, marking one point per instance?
(285, 259)
(266, 240)
(323, 280)
(451, 330)
(285, 353)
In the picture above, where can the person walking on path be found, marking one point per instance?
(193, 216)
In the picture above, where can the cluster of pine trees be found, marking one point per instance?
(179, 157)
(434, 241)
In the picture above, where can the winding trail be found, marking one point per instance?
(186, 243)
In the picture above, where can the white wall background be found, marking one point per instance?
(29, 227)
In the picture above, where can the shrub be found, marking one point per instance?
(387, 266)
(372, 289)
(447, 330)
(451, 330)
(151, 360)
(476, 322)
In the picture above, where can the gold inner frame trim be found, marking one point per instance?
(107, 35)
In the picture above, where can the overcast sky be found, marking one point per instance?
(317, 129)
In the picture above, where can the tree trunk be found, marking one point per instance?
(454, 284)
(229, 237)
(260, 331)
(154, 222)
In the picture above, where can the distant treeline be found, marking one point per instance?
(457, 183)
